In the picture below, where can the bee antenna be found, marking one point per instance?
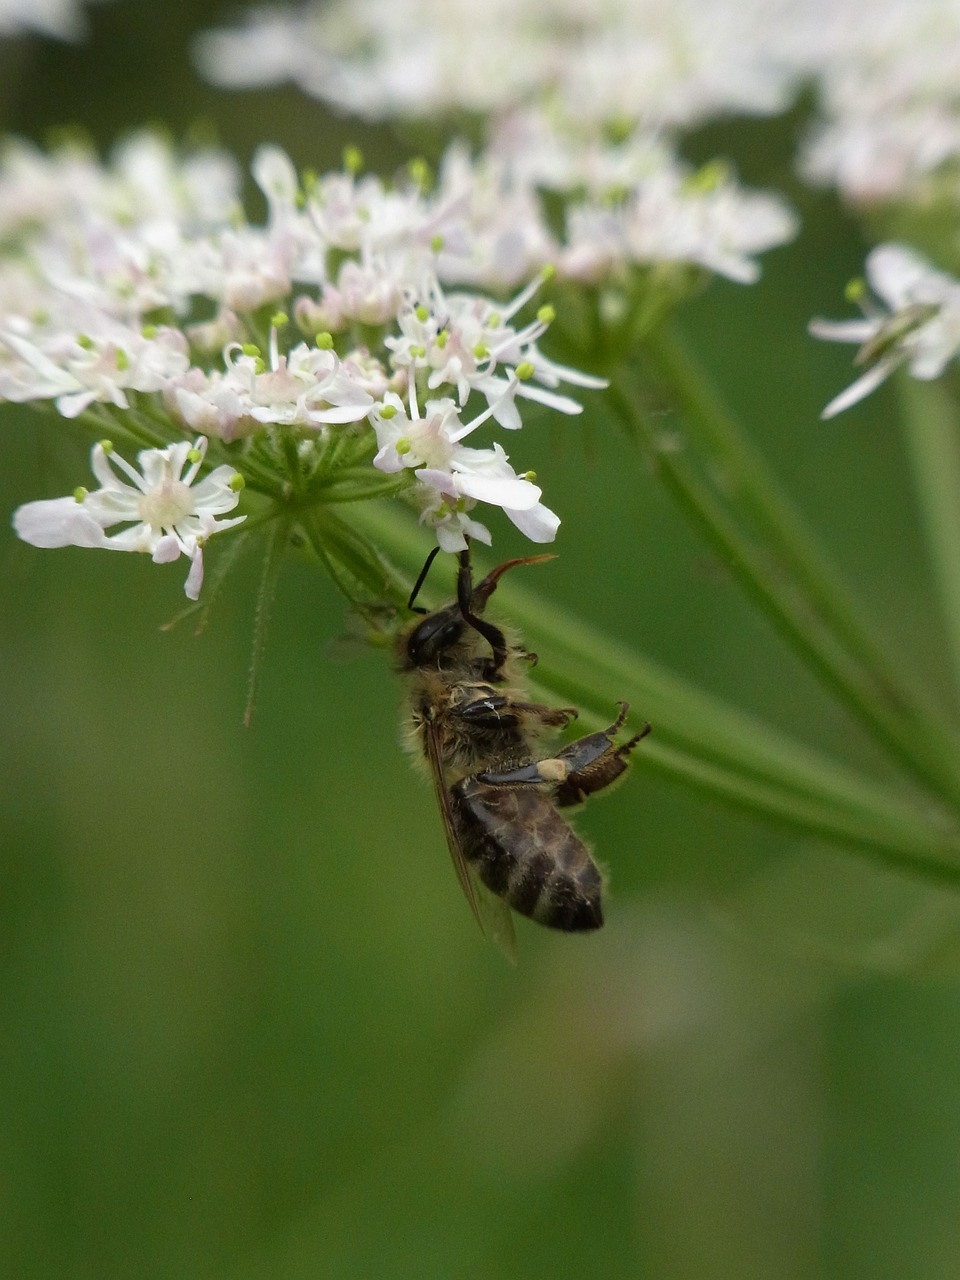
(420, 581)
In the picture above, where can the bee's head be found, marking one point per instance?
(434, 637)
(442, 637)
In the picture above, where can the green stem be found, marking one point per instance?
(755, 529)
(933, 440)
(700, 740)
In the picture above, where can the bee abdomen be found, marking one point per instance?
(527, 854)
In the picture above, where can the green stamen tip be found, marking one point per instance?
(855, 289)
(548, 272)
(236, 482)
(122, 359)
(352, 159)
(530, 475)
(324, 341)
(525, 370)
(443, 337)
(250, 349)
(80, 493)
(547, 314)
(481, 351)
(436, 244)
(403, 446)
(418, 351)
(493, 319)
(260, 365)
(388, 411)
(279, 319)
(106, 446)
(422, 313)
(419, 171)
(85, 341)
(194, 455)
(149, 331)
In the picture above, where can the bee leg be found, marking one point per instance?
(495, 710)
(595, 761)
(582, 767)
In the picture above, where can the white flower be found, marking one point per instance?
(451, 476)
(167, 514)
(919, 325)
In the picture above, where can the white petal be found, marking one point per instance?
(858, 331)
(539, 523)
(500, 491)
(861, 388)
(195, 577)
(57, 522)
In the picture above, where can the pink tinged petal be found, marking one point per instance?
(539, 523)
(195, 577)
(388, 460)
(442, 481)
(861, 388)
(167, 549)
(57, 522)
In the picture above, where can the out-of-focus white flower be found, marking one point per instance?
(167, 514)
(63, 18)
(890, 113)
(98, 364)
(918, 323)
(618, 59)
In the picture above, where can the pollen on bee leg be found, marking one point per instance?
(553, 770)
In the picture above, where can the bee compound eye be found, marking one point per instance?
(437, 632)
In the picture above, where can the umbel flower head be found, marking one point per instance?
(369, 339)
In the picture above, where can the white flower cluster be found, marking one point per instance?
(141, 289)
(886, 79)
(912, 318)
(613, 59)
(889, 100)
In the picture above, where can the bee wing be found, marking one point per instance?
(490, 912)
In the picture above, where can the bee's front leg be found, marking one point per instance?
(494, 710)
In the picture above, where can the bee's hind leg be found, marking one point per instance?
(578, 769)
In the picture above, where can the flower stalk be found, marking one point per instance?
(932, 435)
(756, 531)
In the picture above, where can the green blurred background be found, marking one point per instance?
(247, 1026)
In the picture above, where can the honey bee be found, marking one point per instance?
(500, 792)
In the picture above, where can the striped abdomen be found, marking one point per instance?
(527, 854)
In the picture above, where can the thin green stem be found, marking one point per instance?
(739, 508)
(700, 740)
(932, 434)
